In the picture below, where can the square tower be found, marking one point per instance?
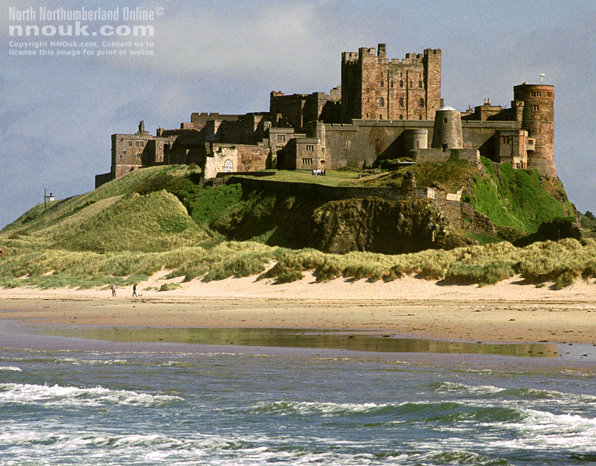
(376, 88)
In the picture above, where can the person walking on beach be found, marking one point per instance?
(134, 290)
(113, 288)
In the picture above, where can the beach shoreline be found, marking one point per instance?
(507, 312)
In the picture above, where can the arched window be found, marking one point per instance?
(421, 102)
(420, 84)
(401, 117)
(381, 102)
(228, 166)
(401, 101)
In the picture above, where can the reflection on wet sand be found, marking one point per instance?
(292, 338)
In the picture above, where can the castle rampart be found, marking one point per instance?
(384, 109)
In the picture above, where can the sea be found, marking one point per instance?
(81, 395)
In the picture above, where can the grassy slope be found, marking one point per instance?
(518, 199)
(115, 234)
(111, 218)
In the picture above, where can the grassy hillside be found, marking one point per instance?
(160, 218)
(517, 198)
(111, 218)
(514, 199)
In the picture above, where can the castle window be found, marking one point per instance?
(129, 143)
(310, 147)
(401, 84)
(401, 117)
(411, 84)
(549, 94)
(380, 117)
(382, 83)
(506, 140)
(401, 101)
(381, 102)
(307, 161)
(281, 137)
(420, 117)
(421, 103)
(536, 108)
(419, 83)
(391, 83)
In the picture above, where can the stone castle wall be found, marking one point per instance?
(374, 87)
(538, 119)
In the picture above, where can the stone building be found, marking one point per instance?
(375, 87)
(384, 109)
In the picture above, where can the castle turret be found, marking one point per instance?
(536, 106)
(447, 133)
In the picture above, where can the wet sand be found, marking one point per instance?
(508, 312)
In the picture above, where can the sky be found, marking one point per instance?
(57, 112)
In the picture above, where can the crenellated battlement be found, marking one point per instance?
(384, 108)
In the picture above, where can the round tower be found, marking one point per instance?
(447, 133)
(538, 119)
(416, 138)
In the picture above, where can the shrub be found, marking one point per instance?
(288, 276)
(169, 286)
(564, 279)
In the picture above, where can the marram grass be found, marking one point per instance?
(118, 235)
(559, 262)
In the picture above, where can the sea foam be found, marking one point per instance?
(57, 395)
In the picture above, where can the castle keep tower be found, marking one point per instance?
(376, 88)
(534, 106)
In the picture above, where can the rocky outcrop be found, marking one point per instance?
(377, 225)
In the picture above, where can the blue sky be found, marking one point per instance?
(57, 113)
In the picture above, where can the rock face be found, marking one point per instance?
(377, 225)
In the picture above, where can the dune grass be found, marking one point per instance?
(131, 228)
(560, 262)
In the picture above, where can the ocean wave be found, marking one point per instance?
(10, 368)
(515, 393)
(306, 408)
(56, 395)
(33, 446)
(446, 412)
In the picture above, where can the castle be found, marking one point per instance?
(384, 109)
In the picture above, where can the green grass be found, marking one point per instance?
(588, 224)
(514, 198)
(331, 178)
(135, 226)
(450, 175)
(559, 262)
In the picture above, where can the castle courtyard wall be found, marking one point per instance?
(364, 141)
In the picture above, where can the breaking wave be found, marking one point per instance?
(28, 394)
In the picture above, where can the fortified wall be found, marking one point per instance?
(384, 109)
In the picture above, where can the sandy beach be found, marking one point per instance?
(506, 312)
